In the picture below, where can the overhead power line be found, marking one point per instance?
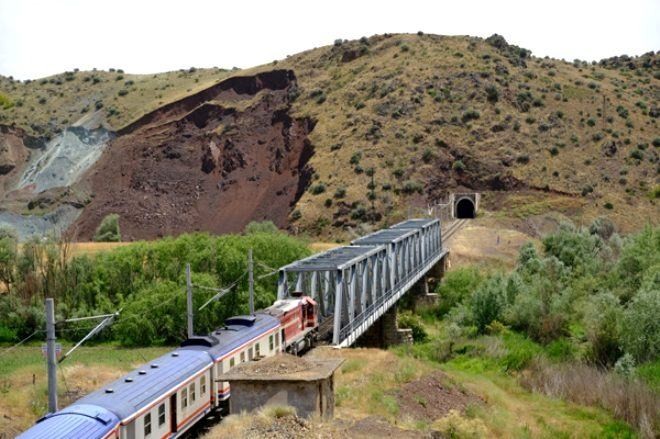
(21, 342)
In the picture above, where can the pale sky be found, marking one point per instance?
(43, 37)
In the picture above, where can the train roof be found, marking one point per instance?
(237, 331)
(384, 236)
(285, 305)
(78, 420)
(143, 386)
(416, 223)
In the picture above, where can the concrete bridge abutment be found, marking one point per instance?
(423, 290)
(385, 332)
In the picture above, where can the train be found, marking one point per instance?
(167, 396)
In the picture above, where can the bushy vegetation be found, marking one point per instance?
(576, 319)
(146, 279)
(108, 230)
(587, 287)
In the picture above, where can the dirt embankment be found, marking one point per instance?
(212, 161)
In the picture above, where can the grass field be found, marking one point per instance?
(367, 385)
(23, 378)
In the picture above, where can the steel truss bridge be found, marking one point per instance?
(356, 284)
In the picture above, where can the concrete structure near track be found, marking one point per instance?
(310, 391)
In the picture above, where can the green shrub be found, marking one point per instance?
(108, 230)
(317, 189)
(560, 350)
(340, 192)
(412, 186)
(7, 335)
(470, 115)
(427, 156)
(260, 227)
(520, 352)
(487, 302)
(639, 260)
(456, 286)
(603, 227)
(458, 166)
(640, 326)
(408, 320)
(602, 318)
(492, 93)
(5, 102)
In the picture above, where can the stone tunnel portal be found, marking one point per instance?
(465, 208)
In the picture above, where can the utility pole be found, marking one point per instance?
(251, 280)
(50, 354)
(189, 301)
(372, 195)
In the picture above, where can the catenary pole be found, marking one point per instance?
(50, 355)
(189, 301)
(251, 280)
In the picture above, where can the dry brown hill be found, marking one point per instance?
(429, 114)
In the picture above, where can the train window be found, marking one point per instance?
(243, 357)
(184, 399)
(256, 349)
(161, 415)
(192, 393)
(202, 385)
(270, 342)
(232, 361)
(147, 425)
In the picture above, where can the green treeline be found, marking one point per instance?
(146, 279)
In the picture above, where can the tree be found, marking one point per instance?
(488, 302)
(108, 230)
(8, 254)
(640, 329)
(260, 227)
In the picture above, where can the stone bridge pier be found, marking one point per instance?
(385, 332)
(423, 291)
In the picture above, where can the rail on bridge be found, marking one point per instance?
(355, 285)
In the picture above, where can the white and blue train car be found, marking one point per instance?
(167, 396)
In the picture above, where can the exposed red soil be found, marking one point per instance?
(374, 426)
(203, 163)
(432, 397)
(15, 146)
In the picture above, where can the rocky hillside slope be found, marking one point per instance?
(428, 114)
(213, 161)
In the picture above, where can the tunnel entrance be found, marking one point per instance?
(465, 208)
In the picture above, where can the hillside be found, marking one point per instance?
(430, 114)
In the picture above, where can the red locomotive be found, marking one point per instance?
(298, 318)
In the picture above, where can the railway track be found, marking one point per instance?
(453, 228)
